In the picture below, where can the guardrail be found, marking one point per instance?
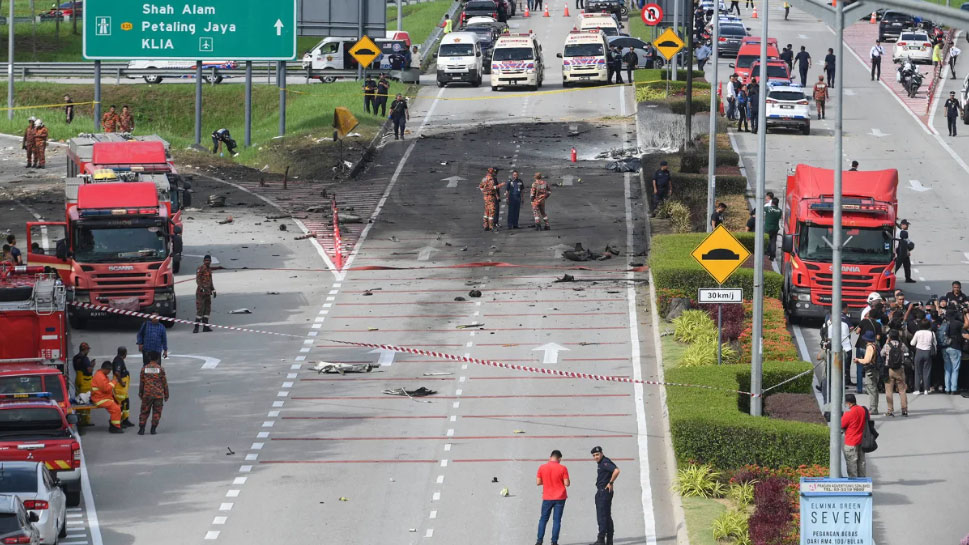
(120, 70)
(436, 35)
(939, 68)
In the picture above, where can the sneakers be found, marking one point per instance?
(889, 413)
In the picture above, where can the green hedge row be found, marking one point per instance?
(674, 268)
(710, 426)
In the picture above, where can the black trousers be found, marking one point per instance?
(604, 512)
(369, 103)
(629, 73)
(772, 244)
(904, 262)
(830, 77)
(876, 67)
(380, 103)
(952, 125)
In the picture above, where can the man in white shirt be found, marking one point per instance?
(953, 55)
(845, 342)
(873, 299)
(877, 51)
(730, 93)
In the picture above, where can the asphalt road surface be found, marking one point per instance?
(917, 496)
(256, 446)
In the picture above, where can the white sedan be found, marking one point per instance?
(41, 494)
(914, 46)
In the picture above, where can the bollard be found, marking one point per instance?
(574, 156)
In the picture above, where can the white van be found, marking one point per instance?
(517, 61)
(584, 58)
(210, 69)
(459, 59)
(602, 21)
(333, 53)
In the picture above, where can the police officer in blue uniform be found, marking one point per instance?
(606, 475)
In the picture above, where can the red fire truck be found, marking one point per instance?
(114, 249)
(869, 208)
(133, 158)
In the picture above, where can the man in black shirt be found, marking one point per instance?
(803, 62)
(606, 475)
(869, 323)
(902, 256)
(662, 186)
(952, 112)
(956, 295)
(752, 222)
(787, 55)
(829, 66)
(717, 217)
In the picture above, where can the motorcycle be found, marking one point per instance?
(910, 78)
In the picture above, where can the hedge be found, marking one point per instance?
(711, 426)
(674, 268)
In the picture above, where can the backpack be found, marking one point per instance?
(910, 245)
(868, 435)
(896, 358)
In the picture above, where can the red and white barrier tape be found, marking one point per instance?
(136, 314)
(544, 370)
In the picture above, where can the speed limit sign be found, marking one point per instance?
(652, 14)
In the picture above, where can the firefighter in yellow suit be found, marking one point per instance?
(122, 378)
(83, 373)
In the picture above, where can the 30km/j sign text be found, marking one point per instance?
(215, 29)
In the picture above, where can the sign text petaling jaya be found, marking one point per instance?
(211, 27)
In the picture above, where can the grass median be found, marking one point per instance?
(167, 110)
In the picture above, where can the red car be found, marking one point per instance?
(749, 53)
(66, 9)
(776, 72)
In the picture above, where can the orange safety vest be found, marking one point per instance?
(102, 388)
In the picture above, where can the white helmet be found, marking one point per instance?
(874, 296)
(31, 118)
(38, 123)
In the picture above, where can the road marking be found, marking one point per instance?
(219, 520)
(802, 36)
(225, 506)
(94, 524)
(386, 358)
(444, 463)
(436, 496)
(256, 446)
(429, 533)
(551, 351)
(239, 480)
(208, 361)
(245, 469)
(440, 479)
(425, 253)
(649, 521)
(452, 181)
(234, 493)
(878, 133)
(433, 515)
(917, 186)
(262, 435)
(212, 534)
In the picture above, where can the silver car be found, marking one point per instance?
(16, 523)
(41, 495)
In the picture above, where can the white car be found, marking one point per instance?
(788, 107)
(914, 46)
(41, 495)
(964, 98)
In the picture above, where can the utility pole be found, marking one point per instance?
(400, 10)
(835, 378)
(712, 153)
(10, 61)
(688, 19)
(756, 347)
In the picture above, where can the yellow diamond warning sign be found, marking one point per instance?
(668, 44)
(365, 51)
(720, 254)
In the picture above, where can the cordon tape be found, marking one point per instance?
(455, 357)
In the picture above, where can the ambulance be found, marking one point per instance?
(584, 58)
(516, 61)
(602, 21)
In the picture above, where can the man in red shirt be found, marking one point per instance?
(853, 422)
(553, 477)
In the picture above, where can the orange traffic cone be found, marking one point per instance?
(873, 19)
(567, 9)
(546, 12)
(754, 14)
(526, 12)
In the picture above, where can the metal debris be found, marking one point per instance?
(217, 201)
(343, 368)
(471, 326)
(226, 220)
(565, 278)
(474, 293)
(420, 392)
(240, 311)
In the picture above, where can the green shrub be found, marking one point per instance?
(741, 494)
(708, 427)
(701, 103)
(680, 218)
(693, 325)
(699, 481)
(731, 527)
(703, 351)
(681, 76)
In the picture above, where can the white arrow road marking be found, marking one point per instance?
(917, 186)
(557, 250)
(802, 36)
(386, 358)
(567, 180)
(425, 253)
(208, 361)
(452, 181)
(967, 257)
(279, 27)
(877, 133)
(551, 352)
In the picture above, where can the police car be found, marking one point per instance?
(788, 107)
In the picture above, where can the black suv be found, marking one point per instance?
(615, 7)
(892, 24)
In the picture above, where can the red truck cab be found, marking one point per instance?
(749, 52)
(869, 210)
(33, 428)
(114, 249)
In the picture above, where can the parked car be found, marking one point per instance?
(41, 495)
(615, 7)
(892, 24)
(964, 99)
(16, 523)
(66, 9)
(485, 8)
(487, 36)
(728, 42)
(787, 107)
(210, 69)
(913, 46)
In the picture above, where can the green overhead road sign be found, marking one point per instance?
(252, 30)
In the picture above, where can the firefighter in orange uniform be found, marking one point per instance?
(102, 395)
(487, 187)
(126, 122)
(109, 121)
(539, 195)
(40, 144)
(28, 141)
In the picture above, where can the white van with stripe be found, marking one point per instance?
(584, 58)
(516, 61)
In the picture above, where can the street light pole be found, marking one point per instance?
(712, 152)
(834, 334)
(757, 352)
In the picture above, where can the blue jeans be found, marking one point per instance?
(953, 359)
(553, 508)
(859, 370)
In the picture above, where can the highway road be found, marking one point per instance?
(910, 468)
(256, 446)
